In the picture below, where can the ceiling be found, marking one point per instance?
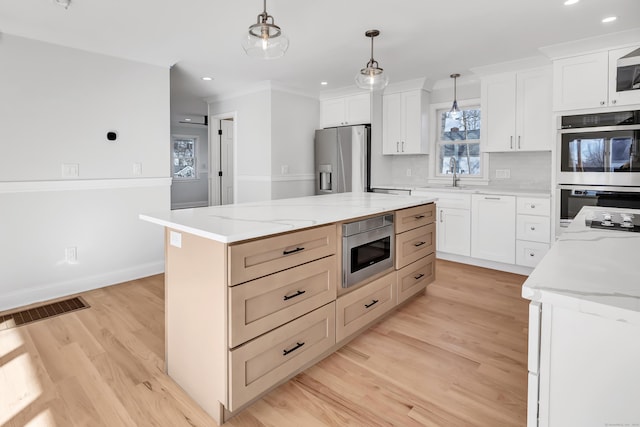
(419, 38)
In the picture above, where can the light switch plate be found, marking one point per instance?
(137, 169)
(70, 170)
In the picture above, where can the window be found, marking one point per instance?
(184, 157)
(459, 138)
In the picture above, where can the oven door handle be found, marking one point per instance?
(600, 129)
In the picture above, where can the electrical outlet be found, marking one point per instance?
(284, 169)
(408, 172)
(70, 170)
(71, 255)
(503, 173)
(137, 169)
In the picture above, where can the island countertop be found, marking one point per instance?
(591, 270)
(243, 221)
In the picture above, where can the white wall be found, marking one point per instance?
(56, 106)
(189, 193)
(274, 128)
(294, 119)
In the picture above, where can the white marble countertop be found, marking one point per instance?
(233, 223)
(470, 189)
(590, 270)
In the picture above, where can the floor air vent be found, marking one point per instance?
(42, 312)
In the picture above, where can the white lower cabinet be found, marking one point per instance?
(533, 230)
(493, 227)
(454, 231)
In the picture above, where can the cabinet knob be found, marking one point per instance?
(533, 206)
(613, 101)
(533, 228)
(531, 254)
(601, 102)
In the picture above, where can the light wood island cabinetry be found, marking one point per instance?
(244, 316)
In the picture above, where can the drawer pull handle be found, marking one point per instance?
(440, 215)
(288, 297)
(492, 198)
(419, 276)
(419, 244)
(419, 216)
(298, 345)
(292, 251)
(372, 303)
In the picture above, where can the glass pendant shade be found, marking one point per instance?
(372, 77)
(454, 108)
(265, 39)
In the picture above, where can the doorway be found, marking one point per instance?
(222, 143)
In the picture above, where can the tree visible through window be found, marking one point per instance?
(184, 157)
(459, 138)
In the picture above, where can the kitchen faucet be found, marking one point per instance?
(453, 168)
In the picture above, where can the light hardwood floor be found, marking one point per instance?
(454, 357)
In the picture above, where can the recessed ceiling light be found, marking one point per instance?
(324, 83)
(207, 79)
(570, 2)
(609, 19)
(187, 120)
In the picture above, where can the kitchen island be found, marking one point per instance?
(253, 295)
(584, 328)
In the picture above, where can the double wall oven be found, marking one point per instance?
(598, 162)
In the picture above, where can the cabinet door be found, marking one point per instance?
(580, 82)
(391, 123)
(332, 112)
(410, 141)
(498, 103)
(623, 97)
(493, 228)
(454, 231)
(358, 109)
(533, 111)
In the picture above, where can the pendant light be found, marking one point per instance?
(372, 77)
(264, 38)
(454, 108)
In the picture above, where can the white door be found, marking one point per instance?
(226, 161)
(221, 151)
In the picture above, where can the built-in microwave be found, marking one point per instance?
(600, 149)
(367, 248)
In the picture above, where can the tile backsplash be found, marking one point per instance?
(521, 170)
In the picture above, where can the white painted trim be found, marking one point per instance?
(82, 284)
(277, 178)
(260, 87)
(595, 44)
(510, 268)
(294, 177)
(510, 66)
(81, 184)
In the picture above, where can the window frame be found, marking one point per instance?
(195, 139)
(443, 179)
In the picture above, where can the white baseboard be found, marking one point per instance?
(69, 287)
(510, 268)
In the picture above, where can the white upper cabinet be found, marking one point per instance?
(516, 110)
(404, 123)
(589, 81)
(345, 111)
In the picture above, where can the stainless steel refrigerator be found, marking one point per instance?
(343, 159)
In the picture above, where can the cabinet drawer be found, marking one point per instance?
(263, 362)
(529, 254)
(263, 304)
(534, 228)
(533, 206)
(407, 219)
(415, 277)
(265, 256)
(362, 306)
(415, 244)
